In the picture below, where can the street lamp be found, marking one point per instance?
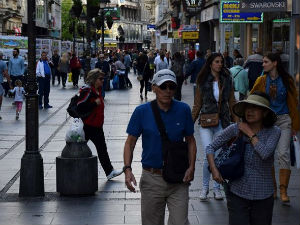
(32, 169)
(73, 16)
(103, 3)
(83, 19)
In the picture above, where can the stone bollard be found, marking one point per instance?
(76, 170)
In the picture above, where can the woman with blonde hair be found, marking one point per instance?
(63, 68)
(91, 101)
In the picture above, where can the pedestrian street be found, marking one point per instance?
(112, 203)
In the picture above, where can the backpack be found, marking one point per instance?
(73, 109)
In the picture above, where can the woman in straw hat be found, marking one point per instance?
(90, 100)
(250, 198)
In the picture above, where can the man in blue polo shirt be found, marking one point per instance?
(156, 193)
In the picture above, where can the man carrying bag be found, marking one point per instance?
(162, 183)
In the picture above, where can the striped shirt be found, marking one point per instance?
(257, 182)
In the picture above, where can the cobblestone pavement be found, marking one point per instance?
(113, 203)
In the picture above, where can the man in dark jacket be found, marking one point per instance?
(54, 61)
(195, 67)
(254, 66)
(103, 65)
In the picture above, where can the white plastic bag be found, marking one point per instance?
(76, 132)
(297, 150)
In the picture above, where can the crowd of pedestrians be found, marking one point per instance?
(253, 100)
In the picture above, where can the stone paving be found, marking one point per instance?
(113, 203)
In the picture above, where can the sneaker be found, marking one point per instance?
(114, 173)
(17, 116)
(48, 106)
(218, 195)
(203, 195)
(141, 96)
(40, 107)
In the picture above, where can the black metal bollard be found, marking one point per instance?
(76, 170)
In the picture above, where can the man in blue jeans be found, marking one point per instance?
(43, 73)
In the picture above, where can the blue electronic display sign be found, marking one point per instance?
(230, 13)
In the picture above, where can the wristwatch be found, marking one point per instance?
(251, 138)
(126, 167)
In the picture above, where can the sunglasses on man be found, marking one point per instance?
(171, 86)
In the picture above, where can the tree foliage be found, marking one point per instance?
(66, 20)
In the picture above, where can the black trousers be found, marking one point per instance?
(63, 78)
(249, 212)
(75, 76)
(55, 73)
(14, 78)
(179, 81)
(128, 82)
(96, 135)
(143, 84)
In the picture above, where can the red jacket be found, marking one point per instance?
(87, 103)
(191, 55)
(75, 63)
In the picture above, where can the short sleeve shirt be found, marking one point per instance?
(3, 67)
(177, 120)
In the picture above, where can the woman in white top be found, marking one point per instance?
(19, 97)
(214, 95)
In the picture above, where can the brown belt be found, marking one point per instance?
(154, 170)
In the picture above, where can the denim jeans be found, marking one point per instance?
(206, 136)
(44, 89)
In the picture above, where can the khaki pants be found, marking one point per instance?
(283, 147)
(156, 194)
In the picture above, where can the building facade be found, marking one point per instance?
(126, 32)
(10, 17)
(48, 18)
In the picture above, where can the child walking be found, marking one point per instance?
(19, 97)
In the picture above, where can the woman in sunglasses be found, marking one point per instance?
(91, 100)
(214, 99)
(280, 86)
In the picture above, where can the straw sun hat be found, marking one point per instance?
(254, 99)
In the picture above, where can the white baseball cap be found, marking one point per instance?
(162, 76)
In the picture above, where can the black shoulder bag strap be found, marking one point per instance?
(237, 73)
(160, 124)
(159, 121)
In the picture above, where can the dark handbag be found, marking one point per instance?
(230, 160)
(175, 154)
